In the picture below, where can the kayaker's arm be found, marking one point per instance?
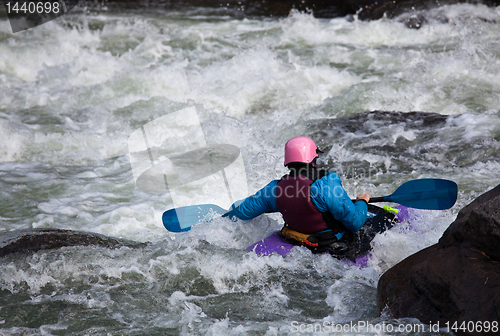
(261, 202)
(328, 195)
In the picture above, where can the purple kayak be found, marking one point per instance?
(276, 243)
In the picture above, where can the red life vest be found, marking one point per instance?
(293, 199)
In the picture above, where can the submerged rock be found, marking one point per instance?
(32, 240)
(456, 280)
(409, 137)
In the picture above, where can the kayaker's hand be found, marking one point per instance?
(231, 214)
(364, 197)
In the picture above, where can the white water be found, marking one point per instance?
(73, 90)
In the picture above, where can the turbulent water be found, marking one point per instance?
(72, 92)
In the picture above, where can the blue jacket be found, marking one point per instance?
(327, 194)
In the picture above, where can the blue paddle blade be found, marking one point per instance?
(183, 218)
(430, 194)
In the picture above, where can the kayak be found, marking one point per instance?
(379, 220)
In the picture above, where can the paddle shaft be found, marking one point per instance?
(374, 199)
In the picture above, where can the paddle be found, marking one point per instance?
(429, 194)
(183, 218)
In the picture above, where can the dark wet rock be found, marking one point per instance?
(365, 9)
(478, 226)
(457, 279)
(364, 121)
(417, 130)
(32, 240)
(415, 21)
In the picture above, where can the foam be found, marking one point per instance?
(475, 126)
(423, 229)
(248, 79)
(13, 144)
(76, 88)
(59, 47)
(256, 79)
(304, 29)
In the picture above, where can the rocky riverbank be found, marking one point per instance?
(455, 280)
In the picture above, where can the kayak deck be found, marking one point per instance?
(378, 221)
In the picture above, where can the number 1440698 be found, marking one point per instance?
(473, 326)
(31, 7)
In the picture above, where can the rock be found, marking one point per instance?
(352, 130)
(455, 280)
(32, 240)
(366, 9)
(478, 225)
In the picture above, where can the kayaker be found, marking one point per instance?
(317, 211)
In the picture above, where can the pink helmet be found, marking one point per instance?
(300, 149)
